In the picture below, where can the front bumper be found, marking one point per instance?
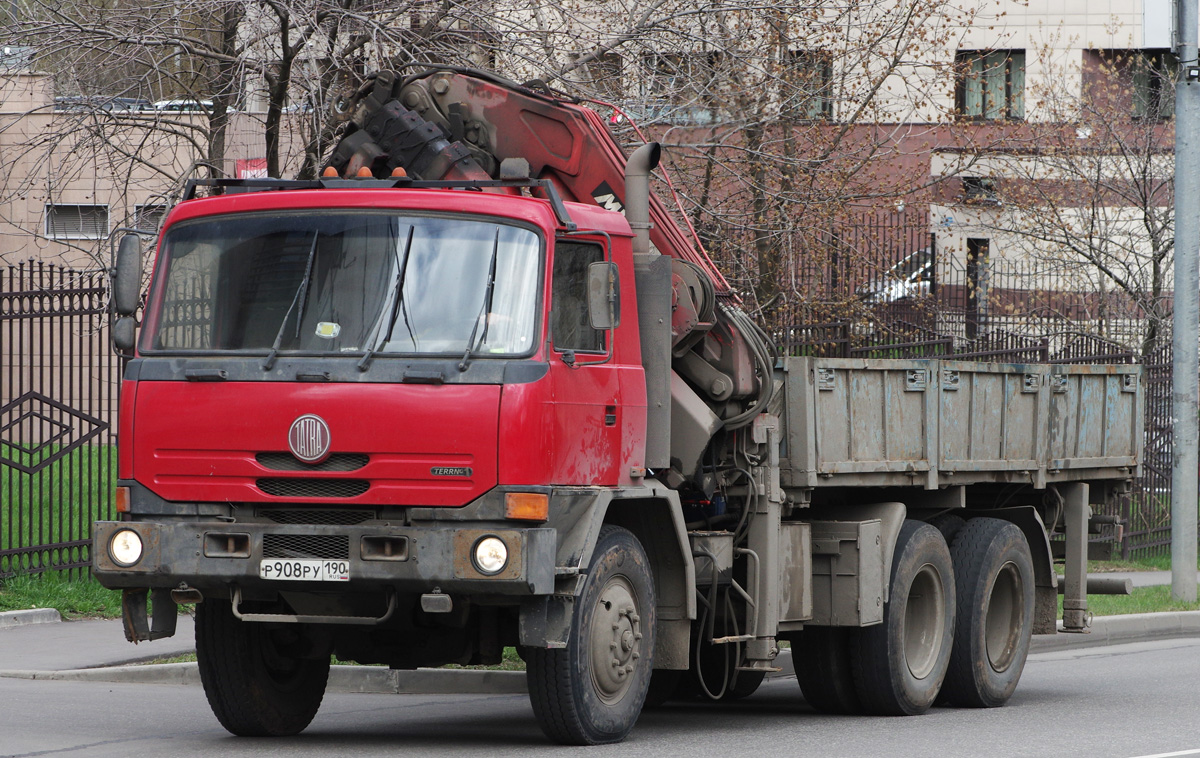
(215, 555)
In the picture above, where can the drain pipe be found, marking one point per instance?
(652, 275)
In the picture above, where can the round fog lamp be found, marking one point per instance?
(125, 547)
(491, 555)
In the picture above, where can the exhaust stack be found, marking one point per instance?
(652, 273)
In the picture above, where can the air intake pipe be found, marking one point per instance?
(652, 274)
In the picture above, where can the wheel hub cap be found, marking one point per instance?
(616, 641)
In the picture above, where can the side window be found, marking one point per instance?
(570, 328)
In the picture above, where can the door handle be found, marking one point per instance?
(610, 415)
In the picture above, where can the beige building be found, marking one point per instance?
(74, 174)
(76, 170)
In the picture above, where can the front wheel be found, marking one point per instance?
(592, 691)
(260, 680)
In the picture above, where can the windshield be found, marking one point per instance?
(345, 282)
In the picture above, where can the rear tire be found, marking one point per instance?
(592, 691)
(948, 524)
(258, 678)
(900, 664)
(993, 567)
(821, 657)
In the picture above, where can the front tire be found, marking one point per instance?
(592, 691)
(260, 680)
(994, 570)
(902, 662)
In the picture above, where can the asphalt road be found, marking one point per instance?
(1118, 702)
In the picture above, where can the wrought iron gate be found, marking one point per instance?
(59, 383)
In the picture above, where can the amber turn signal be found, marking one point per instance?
(527, 506)
(121, 498)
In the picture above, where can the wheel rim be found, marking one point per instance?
(924, 618)
(1004, 620)
(616, 640)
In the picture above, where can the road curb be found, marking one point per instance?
(1119, 630)
(1105, 630)
(11, 619)
(356, 679)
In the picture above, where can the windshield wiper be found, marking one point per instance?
(486, 311)
(298, 298)
(397, 295)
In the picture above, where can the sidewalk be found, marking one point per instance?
(1142, 578)
(36, 644)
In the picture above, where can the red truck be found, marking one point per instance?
(474, 389)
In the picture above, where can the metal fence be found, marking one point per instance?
(877, 286)
(59, 384)
(882, 286)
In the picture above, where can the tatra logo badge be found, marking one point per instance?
(308, 438)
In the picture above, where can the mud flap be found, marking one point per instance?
(133, 614)
(546, 621)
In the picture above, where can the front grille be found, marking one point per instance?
(333, 546)
(335, 462)
(336, 516)
(314, 487)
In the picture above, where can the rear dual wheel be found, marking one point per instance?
(995, 595)
(821, 657)
(956, 627)
(900, 664)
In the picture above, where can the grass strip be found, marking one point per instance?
(1143, 600)
(73, 598)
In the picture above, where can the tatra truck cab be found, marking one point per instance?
(450, 399)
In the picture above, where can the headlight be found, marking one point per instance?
(491, 555)
(125, 547)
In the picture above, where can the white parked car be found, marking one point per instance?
(911, 277)
(185, 105)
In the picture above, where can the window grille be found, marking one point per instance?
(77, 221)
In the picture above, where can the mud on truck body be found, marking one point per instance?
(449, 399)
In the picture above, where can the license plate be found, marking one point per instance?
(304, 570)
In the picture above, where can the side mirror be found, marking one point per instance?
(123, 334)
(127, 275)
(604, 295)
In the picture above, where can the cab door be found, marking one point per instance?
(586, 381)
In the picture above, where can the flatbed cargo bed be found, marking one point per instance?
(932, 423)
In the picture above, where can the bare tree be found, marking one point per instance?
(774, 113)
(783, 117)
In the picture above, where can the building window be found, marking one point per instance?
(808, 85)
(978, 190)
(1154, 75)
(77, 221)
(681, 88)
(603, 72)
(991, 84)
(570, 326)
(148, 218)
